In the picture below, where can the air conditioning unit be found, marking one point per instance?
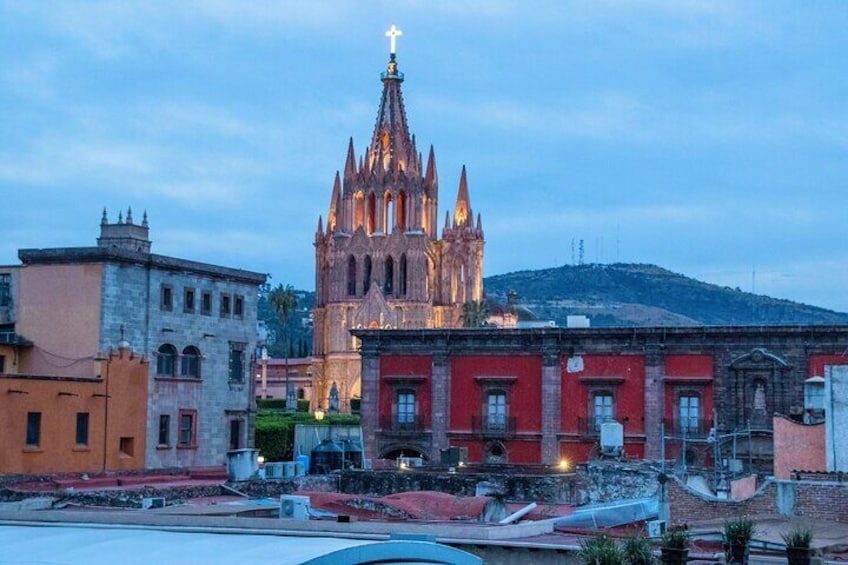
(410, 462)
(294, 507)
(655, 528)
(153, 502)
(289, 468)
(612, 439)
(273, 470)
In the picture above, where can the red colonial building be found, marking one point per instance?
(539, 395)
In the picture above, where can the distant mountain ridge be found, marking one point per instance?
(624, 294)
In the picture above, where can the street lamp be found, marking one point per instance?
(319, 415)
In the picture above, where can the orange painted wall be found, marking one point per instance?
(59, 399)
(58, 309)
(798, 447)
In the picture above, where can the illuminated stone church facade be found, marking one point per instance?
(379, 262)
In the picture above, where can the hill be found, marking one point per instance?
(645, 295)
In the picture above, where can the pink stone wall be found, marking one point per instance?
(798, 447)
(743, 488)
(59, 311)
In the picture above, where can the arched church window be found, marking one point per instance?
(358, 210)
(388, 284)
(351, 276)
(400, 211)
(402, 275)
(366, 279)
(372, 214)
(388, 213)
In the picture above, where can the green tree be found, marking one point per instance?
(474, 314)
(283, 301)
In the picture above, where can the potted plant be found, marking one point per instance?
(798, 541)
(737, 534)
(675, 546)
(638, 551)
(601, 550)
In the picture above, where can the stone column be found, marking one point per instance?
(370, 403)
(551, 405)
(440, 401)
(654, 401)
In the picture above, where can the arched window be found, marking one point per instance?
(358, 211)
(190, 366)
(400, 211)
(402, 275)
(351, 276)
(366, 279)
(389, 283)
(372, 214)
(388, 213)
(166, 360)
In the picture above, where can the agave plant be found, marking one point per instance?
(675, 539)
(638, 551)
(798, 537)
(601, 550)
(739, 531)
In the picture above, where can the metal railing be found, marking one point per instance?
(391, 424)
(591, 427)
(692, 428)
(485, 427)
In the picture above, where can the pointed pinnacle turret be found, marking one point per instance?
(120, 217)
(350, 162)
(129, 215)
(390, 141)
(320, 229)
(479, 223)
(432, 175)
(104, 219)
(461, 211)
(334, 203)
(144, 223)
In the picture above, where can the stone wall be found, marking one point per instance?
(132, 300)
(554, 488)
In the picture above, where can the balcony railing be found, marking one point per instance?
(695, 428)
(390, 424)
(484, 427)
(591, 427)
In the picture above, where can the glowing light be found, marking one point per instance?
(563, 464)
(261, 460)
(319, 414)
(392, 34)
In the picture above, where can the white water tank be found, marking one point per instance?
(612, 439)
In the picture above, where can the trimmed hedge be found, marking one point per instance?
(275, 430)
(280, 404)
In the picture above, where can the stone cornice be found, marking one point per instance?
(74, 255)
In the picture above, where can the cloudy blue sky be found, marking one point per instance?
(710, 138)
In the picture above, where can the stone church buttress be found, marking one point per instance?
(378, 260)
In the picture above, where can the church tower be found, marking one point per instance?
(378, 260)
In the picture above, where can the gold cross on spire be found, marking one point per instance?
(392, 34)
